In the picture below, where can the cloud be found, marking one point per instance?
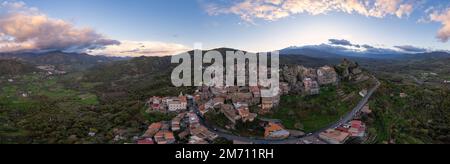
(24, 28)
(272, 10)
(342, 42)
(443, 18)
(136, 49)
(411, 49)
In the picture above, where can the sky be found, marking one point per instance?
(167, 27)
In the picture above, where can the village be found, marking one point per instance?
(237, 104)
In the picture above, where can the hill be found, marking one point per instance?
(65, 61)
(14, 67)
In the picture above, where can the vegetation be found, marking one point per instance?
(311, 113)
(421, 117)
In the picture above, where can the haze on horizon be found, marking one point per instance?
(167, 27)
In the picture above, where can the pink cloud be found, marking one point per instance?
(24, 28)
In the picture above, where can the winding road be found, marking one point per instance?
(347, 118)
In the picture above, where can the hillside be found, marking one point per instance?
(14, 67)
(65, 61)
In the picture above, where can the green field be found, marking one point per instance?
(36, 87)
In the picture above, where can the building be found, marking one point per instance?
(165, 137)
(311, 86)
(156, 104)
(230, 113)
(255, 91)
(203, 110)
(219, 91)
(366, 109)
(326, 75)
(218, 101)
(152, 130)
(333, 136)
(203, 133)
(267, 104)
(176, 104)
(145, 141)
(357, 129)
(176, 122)
(194, 140)
(245, 97)
(194, 121)
(275, 131)
(245, 114)
(363, 93)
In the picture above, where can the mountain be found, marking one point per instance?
(14, 67)
(62, 60)
(332, 51)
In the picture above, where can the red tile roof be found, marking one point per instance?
(147, 141)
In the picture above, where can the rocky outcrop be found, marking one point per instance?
(292, 75)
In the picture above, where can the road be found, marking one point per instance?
(347, 118)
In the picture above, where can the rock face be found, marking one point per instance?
(327, 75)
(349, 70)
(293, 77)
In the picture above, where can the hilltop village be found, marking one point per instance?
(245, 105)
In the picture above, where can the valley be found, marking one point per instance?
(105, 102)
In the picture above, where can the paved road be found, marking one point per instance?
(347, 118)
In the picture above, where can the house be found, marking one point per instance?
(176, 104)
(366, 109)
(230, 113)
(145, 141)
(363, 93)
(268, 103)
(275, 131)
(165, 125)
(333, 136)
(255, 91)
(194, 140)
(326, 75)
(152, 130)
(246, 97)
(176, 124)
(245, 114)
(194, 121)
(165, 137)
(218, 91)
(218, 101)
(159, 138)
(203, 110)
(357, 129)
(311, 86)
(170, 138)
(203, 133)
(156, 104)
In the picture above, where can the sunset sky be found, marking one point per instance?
(166, 27)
